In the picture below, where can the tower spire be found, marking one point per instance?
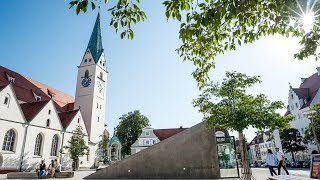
(95, 42)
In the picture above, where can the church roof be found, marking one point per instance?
(95, 43)
(114, 140)
(163, 134)
(66, 117)
(25, 89)
(30, 110)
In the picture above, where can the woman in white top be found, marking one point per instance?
(271, 162)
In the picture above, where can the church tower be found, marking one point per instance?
(91, 85)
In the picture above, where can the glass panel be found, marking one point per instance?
(227, 157)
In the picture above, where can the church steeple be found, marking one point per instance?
(95, 43)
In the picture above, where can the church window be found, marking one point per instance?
(37, 148)
(54, 146)
(101, 75)
(48, 123)
(6, 100)
(86, 74)
(9, 141)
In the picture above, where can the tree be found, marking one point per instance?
(77, 146)
(308, 135)
(104, 146)
(209, 28)
(291, 141)
(227, 105)
(129, 129)
(225, 158)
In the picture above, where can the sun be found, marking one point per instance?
(307, 21)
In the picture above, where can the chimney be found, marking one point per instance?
(303, 79)
(318, 70)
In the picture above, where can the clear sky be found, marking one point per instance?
(45, 40)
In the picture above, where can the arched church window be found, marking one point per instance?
(48, 123)
(54, 146)
(37, 147)
(86, 74)
(101, 75)
(9, 141)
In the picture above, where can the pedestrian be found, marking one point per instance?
(51, 169)
(271, 162)
(42, 169)
(58, 165)
(281, 163)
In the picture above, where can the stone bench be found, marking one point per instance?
(34, 175)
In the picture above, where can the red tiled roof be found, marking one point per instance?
(301, 92)
(311, 83)
(2, 87)
(163, 134)
(24, 88)
(66, 117)
(30, 110)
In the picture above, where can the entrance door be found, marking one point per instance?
(227, 157)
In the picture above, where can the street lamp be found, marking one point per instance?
(309, 115)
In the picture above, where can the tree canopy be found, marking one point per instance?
(129, 129)
(308, 136)
(212, 27)
(227, 105)
(291, 141)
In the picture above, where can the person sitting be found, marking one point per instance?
(42, 169)
(51, 169)
(58, 165)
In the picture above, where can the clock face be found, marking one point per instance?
(86, 82)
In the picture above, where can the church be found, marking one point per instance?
(36, 120)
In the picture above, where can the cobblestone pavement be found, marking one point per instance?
(258, 173)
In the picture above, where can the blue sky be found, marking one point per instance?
(45, 40)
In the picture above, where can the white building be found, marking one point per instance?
(300, 100)
(36, 121)
(146, 139)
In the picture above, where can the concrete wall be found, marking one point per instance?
(191, 153)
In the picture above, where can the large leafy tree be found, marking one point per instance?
(228, 105)
(212, 27)
(129, 129)
(291, 141)
(77, 146)
(309, 136)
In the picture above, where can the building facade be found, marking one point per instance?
(36, 120)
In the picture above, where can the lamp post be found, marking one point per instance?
(310, 116)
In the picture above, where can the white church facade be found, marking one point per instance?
(36, 121)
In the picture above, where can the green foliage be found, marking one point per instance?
(209, 28)
(104, 146)
(129, 129)
(291, 141)
(308, 136)
(225, 158)
(77, 146)
(227, 105)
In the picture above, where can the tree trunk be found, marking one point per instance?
(246, 171)
(293, 159)
(75, 165)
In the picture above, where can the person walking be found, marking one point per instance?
(280, 157)
(271, 162)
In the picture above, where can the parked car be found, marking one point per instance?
(306, 164)
(300, 164)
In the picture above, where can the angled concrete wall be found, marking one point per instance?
(191, 153)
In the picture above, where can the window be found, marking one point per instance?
(37, 147)
(100, 106)
(101, 75)
(54, 145)
(49, 112)
(98, 119)
(86, 74)
(78, 120)
(6, 100)
(154, 141)
(9, 140)
(85, 60)
(97, 105)
(103, 64)
(291, 96)
(147, 141)
(297, 105)
(90, 60)
(48, 123)
(147, 133)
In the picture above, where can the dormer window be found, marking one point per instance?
(147, 133)
(10, 78)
